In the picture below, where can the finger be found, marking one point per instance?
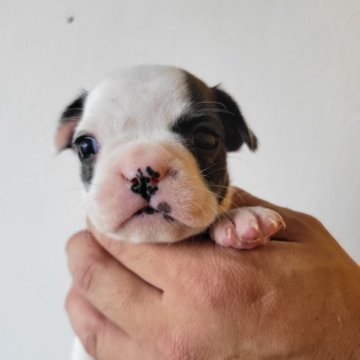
(100, 337)
(298, 224)
(115, 291)
(157, 264)
(162, 265)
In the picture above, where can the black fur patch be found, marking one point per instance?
(75, 109)
(236, 130)
(164, 207)
(73, 112)
(216, 111)
(87, 171)
(212, 163)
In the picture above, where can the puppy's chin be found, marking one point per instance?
(151, 228)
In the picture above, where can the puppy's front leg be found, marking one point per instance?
(79, 352)
(246, 227)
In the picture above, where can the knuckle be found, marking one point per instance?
(74, 239)
(123, 300)
(86, 273)
(119, 302)
(86, 260)
(89, 341)
(89, 329)
(90, 337)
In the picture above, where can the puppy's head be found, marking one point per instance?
(152, 143)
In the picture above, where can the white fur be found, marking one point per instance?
(135, 102)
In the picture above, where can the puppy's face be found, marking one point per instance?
(152, 142)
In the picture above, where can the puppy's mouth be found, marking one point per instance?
(148, 210)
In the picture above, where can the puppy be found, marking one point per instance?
(152, 144)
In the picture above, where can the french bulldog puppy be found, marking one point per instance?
(152, 144)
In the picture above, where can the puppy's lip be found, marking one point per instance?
(145, 211)
(148, 210)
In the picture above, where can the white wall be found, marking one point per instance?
(292, 65)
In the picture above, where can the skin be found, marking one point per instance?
(298, 297)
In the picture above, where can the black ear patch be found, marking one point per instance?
(236, 130)
(68, 122)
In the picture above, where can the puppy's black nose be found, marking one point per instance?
(145, 183)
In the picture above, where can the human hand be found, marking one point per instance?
(296, 297)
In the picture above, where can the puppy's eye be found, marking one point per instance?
(206, 139)
(86, 147)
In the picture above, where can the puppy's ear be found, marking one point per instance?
(236, 130)
(68, 122)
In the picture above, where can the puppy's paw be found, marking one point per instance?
(246, 227)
